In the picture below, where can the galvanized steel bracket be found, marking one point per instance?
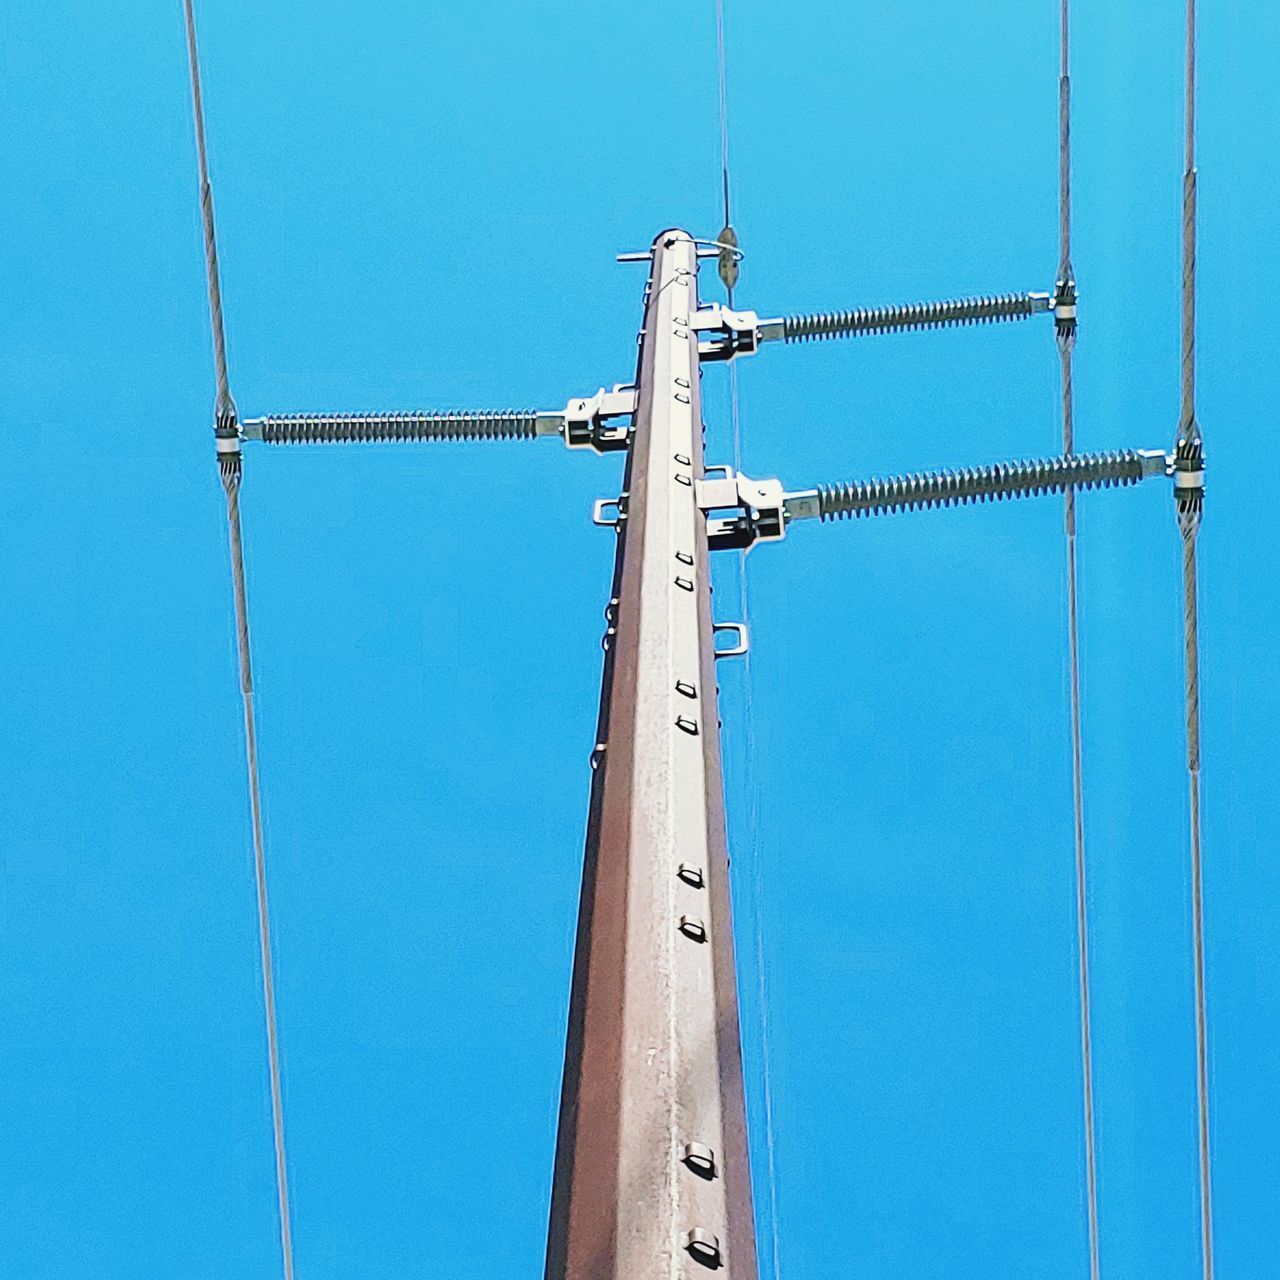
(724, 334)
(741, 644)
(585, 420)
(757, 508)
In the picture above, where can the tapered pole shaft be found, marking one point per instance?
(651, 1178)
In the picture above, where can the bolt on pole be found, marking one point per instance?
(652, 1178)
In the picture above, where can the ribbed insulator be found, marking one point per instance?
(365, 428)
(980, 484)
(917, 315)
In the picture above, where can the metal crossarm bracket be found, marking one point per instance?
(724, 334)
(757, 508)
(585, 420)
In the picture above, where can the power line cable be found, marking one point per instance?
(1189, 491)
(226, 433)
(1065, 303)
(724, 110)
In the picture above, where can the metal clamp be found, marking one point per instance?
(725, 334)
(585, 419)
(1063, 305)
(759, 508)
(1187, 467)
(601, 505)
(740, 630)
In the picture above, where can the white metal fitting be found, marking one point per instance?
(725, 334)
(758, 508)
(583, 422)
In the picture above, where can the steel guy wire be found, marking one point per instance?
(1189, 464)
(1066, 332)
(227, 438)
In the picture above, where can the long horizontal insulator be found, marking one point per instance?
(916, 315)
(368, 428)
(982, 484)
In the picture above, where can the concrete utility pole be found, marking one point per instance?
(652, 1179)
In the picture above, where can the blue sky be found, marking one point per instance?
(418, 208)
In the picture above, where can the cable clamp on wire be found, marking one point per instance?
(226, 440)
(1188, 479)
(1064, 303)
(1188, 461)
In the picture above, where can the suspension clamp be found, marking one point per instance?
(1063, 306)
(1187, 466)
(226, 424)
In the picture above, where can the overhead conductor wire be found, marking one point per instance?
(1065, 303)
(729, 276)
(226, 433)
(1189, 494)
